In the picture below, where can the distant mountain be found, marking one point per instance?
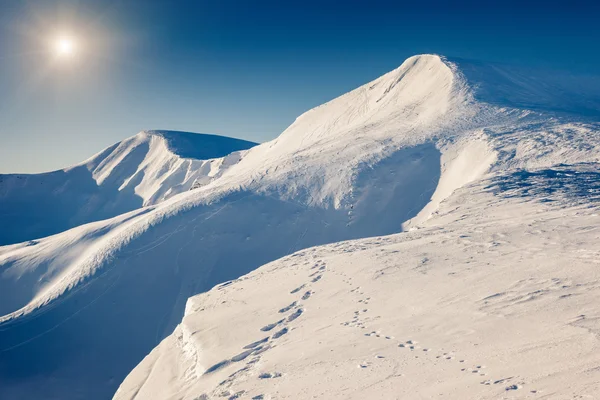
(83, 307)
(142, 170)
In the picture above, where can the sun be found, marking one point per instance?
(64, 46)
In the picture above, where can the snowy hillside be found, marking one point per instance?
(139, 171)
(82, 308)
(494, 298)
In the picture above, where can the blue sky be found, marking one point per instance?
(241, 68)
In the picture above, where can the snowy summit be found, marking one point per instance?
(432, 233)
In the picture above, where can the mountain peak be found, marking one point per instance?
(200, 146)
(416, 94)
(141, 170)
(416, 147)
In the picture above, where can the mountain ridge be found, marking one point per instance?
(376, 161)
(142, 170)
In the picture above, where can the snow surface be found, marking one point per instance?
(83, 307)
(143, 170)
(494, 298)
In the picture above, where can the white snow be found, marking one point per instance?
(491, 295)
(143, 170)
(418, 148)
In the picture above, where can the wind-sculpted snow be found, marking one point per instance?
(201, 147)
(493, 298)
(572, 184)
(83, 307)
(143, 170)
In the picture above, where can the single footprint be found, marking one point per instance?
(288, 308)
(260, 350)
(237, 395)
(280, 333)
(267, 328)
(306, 295)
(268, 375)
(242, 355)
(502, 380)
(254, 344)
(299, 288)
(295, 315)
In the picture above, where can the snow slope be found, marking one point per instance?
(493, 298)
(83, 307)
(139, 171)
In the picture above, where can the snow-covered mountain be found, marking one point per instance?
(496, 297)
(142, 170)
(425, 148)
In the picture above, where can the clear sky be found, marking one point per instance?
(244, 68)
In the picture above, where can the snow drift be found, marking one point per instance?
(83, 307)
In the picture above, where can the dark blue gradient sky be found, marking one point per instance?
(241, 68)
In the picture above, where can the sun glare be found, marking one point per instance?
(64, 47)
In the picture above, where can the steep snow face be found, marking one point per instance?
(493, 298)
(143, 170)
(156, 165)
(412, 105)
(95, 300)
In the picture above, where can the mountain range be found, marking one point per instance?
(431, 233)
